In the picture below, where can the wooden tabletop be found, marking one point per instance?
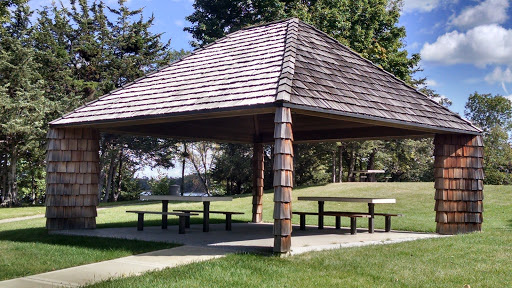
(370, 171)
(185, 198)
(350, 199)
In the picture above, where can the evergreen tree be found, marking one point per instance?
(23, 107)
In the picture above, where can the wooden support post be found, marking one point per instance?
(283, 180)
(257, 186)
(72, 174)
(459, 175)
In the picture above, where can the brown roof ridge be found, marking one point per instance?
(390, 74)
(261, 24)
(284, 86)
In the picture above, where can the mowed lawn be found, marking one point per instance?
(478, 259)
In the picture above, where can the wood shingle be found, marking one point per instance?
(287, 63)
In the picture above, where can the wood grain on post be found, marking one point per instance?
(257, 186)
(458, 171)
(283, 180)
(72, 178)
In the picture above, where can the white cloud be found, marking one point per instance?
(509, 97)
(499, 75)
(430, 83)
(420, 5)
(487, 12)
(480, 46)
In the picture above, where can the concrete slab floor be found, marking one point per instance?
(252, 237)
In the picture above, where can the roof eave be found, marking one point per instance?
(391, 122)
(257, 109)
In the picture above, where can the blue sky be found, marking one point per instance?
(466, 46)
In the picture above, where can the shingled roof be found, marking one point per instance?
(286, 63)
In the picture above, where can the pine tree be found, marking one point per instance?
(23, 107)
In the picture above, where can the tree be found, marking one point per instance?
(22, 105)
(232, 168)
(368, 27)
(494, 115)
(201, 155)
(488, 111)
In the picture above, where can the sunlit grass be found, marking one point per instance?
(476, 259)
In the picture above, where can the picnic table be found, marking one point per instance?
(371, 208)
(206, 205)
(363, 174)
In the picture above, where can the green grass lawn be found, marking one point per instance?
(477, 259)
(6, 213)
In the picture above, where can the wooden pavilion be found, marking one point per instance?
(282, 82)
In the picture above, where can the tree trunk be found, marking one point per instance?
(206, 180)
(371, 166)
(340, 164)
(4, 172)
(33, 182)
(119, 175)
(182, 186)
(203, 180)
(12, 196)
(351, 166)
(101, 180)
(334, 166)
(110, 179)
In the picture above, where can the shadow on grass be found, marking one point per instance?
(41, 236)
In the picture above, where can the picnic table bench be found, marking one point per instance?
(227, 213)
(181, 222)
(353, 215)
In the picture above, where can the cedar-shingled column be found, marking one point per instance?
(459, 183)
(72, 178)
(283, 180)
(257, 185)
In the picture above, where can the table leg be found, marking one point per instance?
(165, 208)
(320, 214)
(206, 216)
(181, 224)
(187, 221)
(371, 211)
(228, 222)
(140, 222)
